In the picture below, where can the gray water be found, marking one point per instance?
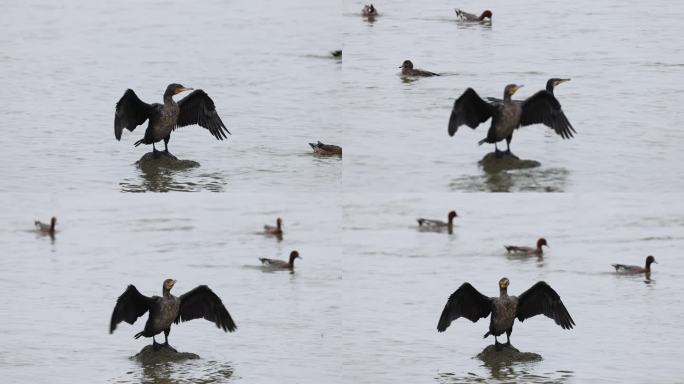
(363, 303)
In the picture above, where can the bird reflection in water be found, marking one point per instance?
(164, 175)
(189, 371)
(508, 373)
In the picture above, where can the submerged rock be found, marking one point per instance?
(164, 353)
(506, 354)
(150, 161)
(493, 162)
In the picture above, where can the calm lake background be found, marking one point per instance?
(364, 301)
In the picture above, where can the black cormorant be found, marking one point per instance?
(200, 302)
(408, 70)
(540, 299)
(274, 263)
(508, 115)
(195, 108)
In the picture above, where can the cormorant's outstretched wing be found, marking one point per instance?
(465, 302)
(541, 299)
(130, 112)
(198, 108)
(130, 305)
(469, 109)
(544, 108)
(202, 302)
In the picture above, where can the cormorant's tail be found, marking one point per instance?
(139, 142)
(137, 335)
(486, 334)
(482, 141)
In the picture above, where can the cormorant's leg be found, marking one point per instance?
(508, 336)
(166, 143)
(155, 345)
(497, 345)
(155, 153)
(166, 336)
(508, 143)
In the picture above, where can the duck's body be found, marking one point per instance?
(280, 264)
(438, 224)
(408, 70)
(507, 115)
(465, 16)
(196, 108)
(524, 250)
(274, 231)
(200, 302)
(326, 149)
(369, 11)
(336, 54)
(467, 302)
(636, 268)
(47, 229)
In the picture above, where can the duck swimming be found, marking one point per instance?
(369, 11)
(540, 299)
(408, 70)
(508, 115)
(635, 268)
(438, 224)
(46, 229)
(200, 302)
(326, 149)
(465, 16)
(274, 231)
(523, 250)
(281, 264)
(195, 108)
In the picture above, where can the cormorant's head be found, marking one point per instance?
(452, 214)
(511, 89)
(503, 283)
(294, 255)
(174, 89)
(407, 64)
(553, 82)
(542, 241)
(650, 260)
(168, 284)
(486, 14)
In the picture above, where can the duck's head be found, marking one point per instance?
(452, 214)
(53, 221)
(175, 88)
(486, 14)
(168, 284)
(294, 255)
(407, 64)
(650, 260)
(541, 242)
(511, 89)
(279, 222)
(503, 283)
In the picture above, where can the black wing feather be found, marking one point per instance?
(544, 108)
(469, 109)
(198, 108)
(129, 307)
(130, 112)
(541, 299)
(202, 302)
(466, 302)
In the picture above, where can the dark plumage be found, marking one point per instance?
(195, 108)
(408, 70)
(438, 224)
(326, 149)
(200, 302)
(274, 263)
(465, 16)
(508, 115)
(636, 268)
(540, 299)
(524, 250)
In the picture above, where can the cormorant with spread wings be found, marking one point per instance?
(540, 299)
(508, 115)
(200, 302)
(195, 108)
